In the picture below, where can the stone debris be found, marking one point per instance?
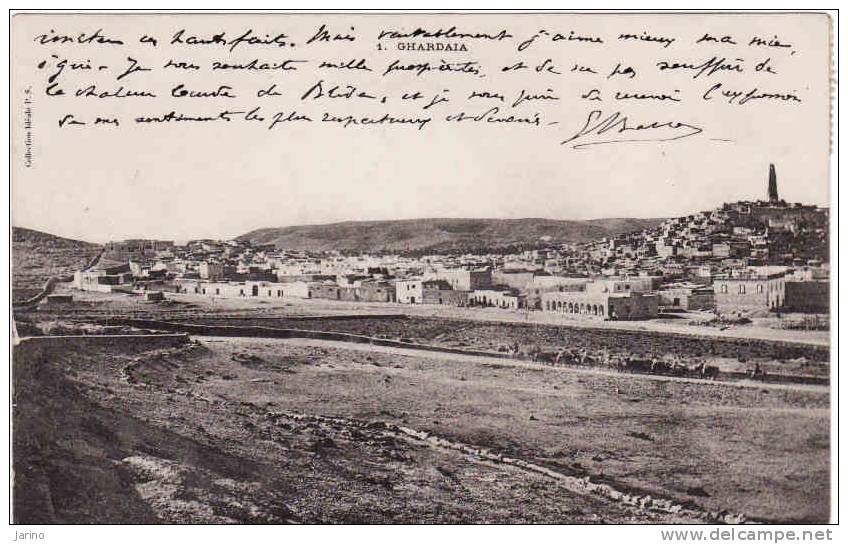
(364, 431)
(583, 484)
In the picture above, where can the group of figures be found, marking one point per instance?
(623, 363)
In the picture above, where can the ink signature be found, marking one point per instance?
(618, 124)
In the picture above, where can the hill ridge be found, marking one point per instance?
(441, 234)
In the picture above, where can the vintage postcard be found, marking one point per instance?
(421, 268)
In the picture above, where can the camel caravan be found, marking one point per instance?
(663, 366)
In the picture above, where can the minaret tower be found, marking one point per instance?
(772, 186)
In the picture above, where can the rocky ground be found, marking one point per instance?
(36, 256)
(274, 431)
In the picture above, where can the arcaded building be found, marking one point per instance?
(602, 300)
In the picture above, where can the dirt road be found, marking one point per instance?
(456, 358)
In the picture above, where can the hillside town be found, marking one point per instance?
(742, 258)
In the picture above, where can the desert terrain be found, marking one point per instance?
(231, 429)
(38, 256)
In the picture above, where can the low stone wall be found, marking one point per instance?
(142, 341)
(46, 290)
(94, 260)
(808, 296)
(273, 332)
(328, 317)
(51, 283)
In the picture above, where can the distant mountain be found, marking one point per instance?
(416, 235)
(38, 255)
(21, 235)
